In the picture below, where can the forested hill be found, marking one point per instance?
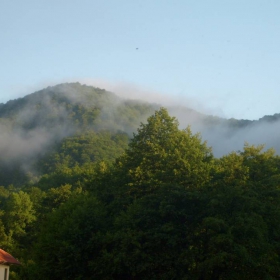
(74, 107)
(36, 127)
(159, 207)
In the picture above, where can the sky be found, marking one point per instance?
(219, 57)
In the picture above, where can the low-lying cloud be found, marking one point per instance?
(222, 137)
(16, 142)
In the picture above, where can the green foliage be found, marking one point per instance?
(19, 213)
(71, 238)
(162, 153)
(85, 149)
(152, 239)
(40, 121)
(165, 209)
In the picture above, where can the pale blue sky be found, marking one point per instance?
(224, 55)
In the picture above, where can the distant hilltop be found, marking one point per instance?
(33, 125)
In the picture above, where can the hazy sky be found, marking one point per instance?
(222, 55)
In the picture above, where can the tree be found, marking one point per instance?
(234, 239)
(19, 213)
(70, 240)
(152, 239)
(161, 153)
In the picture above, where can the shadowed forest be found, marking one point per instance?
(97, 187)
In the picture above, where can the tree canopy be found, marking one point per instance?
(161, 207)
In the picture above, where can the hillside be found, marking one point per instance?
(34, 127)
(157, 205)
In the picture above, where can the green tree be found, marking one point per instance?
(70, 240)
(152, 239)
(161, 153)
(19, 213)
(233, 240)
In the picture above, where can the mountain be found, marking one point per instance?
(37, 126)
(81, 195)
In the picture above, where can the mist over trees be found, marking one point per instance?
(96, 187)
(34, 126)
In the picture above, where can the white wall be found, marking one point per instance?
(2, 271)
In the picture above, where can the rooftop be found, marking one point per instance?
(6, 258)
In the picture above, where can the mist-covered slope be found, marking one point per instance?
(32, 123)
(34, 126)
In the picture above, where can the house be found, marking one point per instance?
(5, 261)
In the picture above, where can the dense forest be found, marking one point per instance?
(96, 187)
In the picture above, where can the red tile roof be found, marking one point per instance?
(6, 258)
